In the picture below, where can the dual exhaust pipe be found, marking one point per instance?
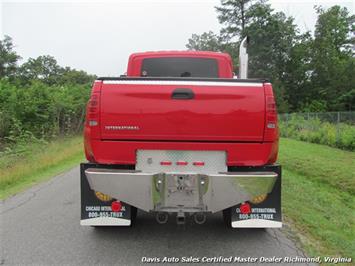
(163, 217)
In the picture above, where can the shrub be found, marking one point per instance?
(339, 135)
(38, 112)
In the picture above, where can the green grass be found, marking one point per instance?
(38, 164)
(318, 196)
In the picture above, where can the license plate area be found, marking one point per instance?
(181, 161)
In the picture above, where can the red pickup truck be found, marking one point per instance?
(181, 137)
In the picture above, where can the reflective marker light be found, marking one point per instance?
(259, 199)
(181, 163)
(198, 163)
(165, 163)
(116, 206)
(102, 196)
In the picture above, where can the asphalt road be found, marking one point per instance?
(41, 226)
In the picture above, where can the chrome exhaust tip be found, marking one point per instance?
(162, 217)
(199, 217)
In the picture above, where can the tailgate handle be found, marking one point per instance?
(182, 94)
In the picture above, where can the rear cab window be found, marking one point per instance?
(179, 67)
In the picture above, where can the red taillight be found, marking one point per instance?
(92, 131)
(165, 163)
(93, 109)
(116, 206)
(198, 163)
(270, 105)
(271, 130)
(181, 163)
(271, 115)
(245, 208)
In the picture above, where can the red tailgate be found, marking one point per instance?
(208, 111)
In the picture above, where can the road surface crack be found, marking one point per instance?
(282, 244)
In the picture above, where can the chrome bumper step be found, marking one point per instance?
(180, 191)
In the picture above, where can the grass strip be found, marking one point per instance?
(318, 197)
(38, 164)
(319, 162)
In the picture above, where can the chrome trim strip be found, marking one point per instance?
(178, 83)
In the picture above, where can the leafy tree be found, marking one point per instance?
(235, 15)
(272, 35)
(207, 41)
(332, 61)
(73, 76)
(44, 111)
(44, 68)
(336, 25)
(297, 75)
(8, 58)
(47, 70)
(40, 99)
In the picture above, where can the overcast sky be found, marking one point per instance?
(98, 36)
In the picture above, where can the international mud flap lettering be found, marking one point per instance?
(266, 214)
(98, 209)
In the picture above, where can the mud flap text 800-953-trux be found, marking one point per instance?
(266, 214)
(98, 209)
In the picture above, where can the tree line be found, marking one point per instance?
(39, 98)
(309, 72)
(44, 68)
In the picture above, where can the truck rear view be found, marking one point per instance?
(180, 137)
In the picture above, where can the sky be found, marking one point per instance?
(98, 36)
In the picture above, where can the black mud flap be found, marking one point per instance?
(96, 208)
(266, 214)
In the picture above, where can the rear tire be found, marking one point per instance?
(133, 215)
(227, 217)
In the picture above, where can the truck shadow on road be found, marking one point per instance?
(146, 224)
(213, 238)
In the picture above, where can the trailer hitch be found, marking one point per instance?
(180, 218)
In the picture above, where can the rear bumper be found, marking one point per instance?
(199, 192)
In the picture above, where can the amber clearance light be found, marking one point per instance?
(259, 199)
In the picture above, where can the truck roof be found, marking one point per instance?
(225, 64)
(181, 53)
